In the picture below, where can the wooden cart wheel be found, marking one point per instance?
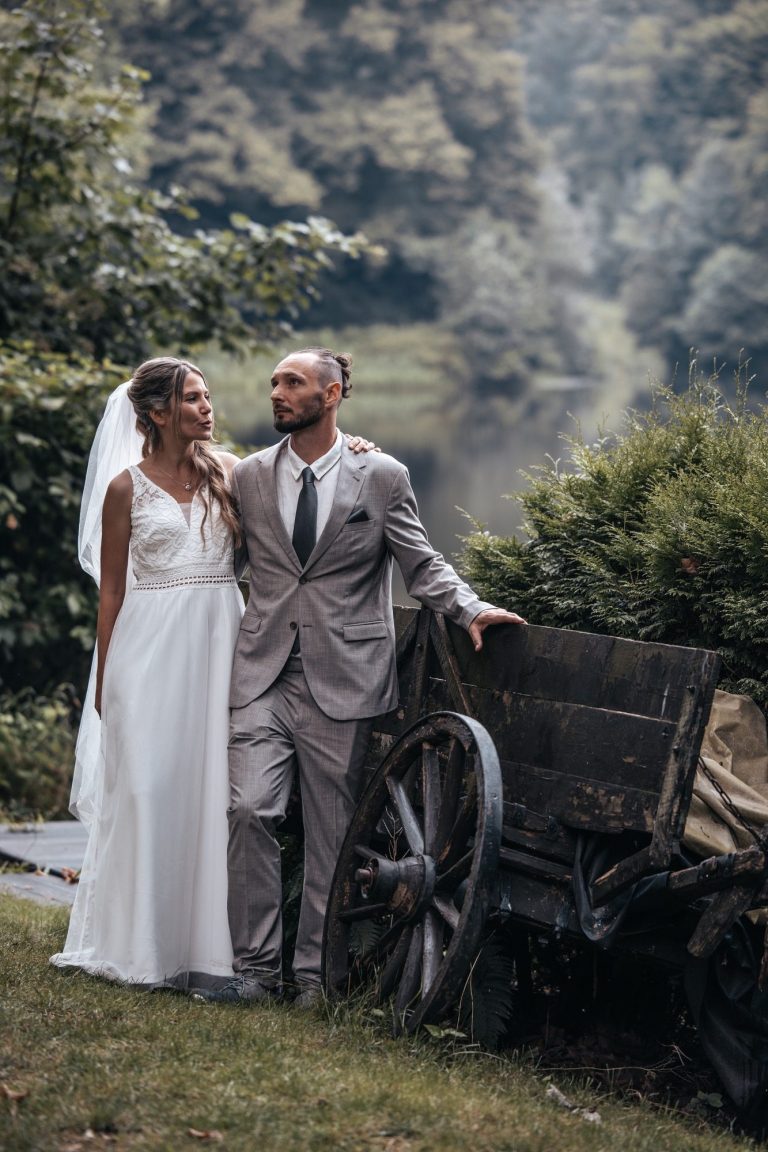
(414, 879)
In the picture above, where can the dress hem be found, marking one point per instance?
(199, 975)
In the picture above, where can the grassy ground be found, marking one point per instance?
(87, 1065)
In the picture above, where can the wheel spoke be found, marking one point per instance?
(391, 970)
(463, 828)
(408, 817)
(449, 881)
(369, 853)
(383, 946)
(447, 910)
(362, 912)
(449, 802)
(430, 792)
(433, 949)
(411, 977)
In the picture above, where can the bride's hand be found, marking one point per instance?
(360, 444)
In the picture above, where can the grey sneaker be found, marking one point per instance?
(310, 996)
(241, 989)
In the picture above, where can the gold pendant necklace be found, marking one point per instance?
(187, 487)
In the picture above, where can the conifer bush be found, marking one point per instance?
(657, 533)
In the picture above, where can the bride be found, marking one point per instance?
(151, 902)
(151, 776)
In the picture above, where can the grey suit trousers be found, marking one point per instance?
(270, 738)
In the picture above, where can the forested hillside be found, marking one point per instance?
(657, 111)
(520, 160)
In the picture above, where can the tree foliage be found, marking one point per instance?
(659, 113)
(89, 259)
(660, 533)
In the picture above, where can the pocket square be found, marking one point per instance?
(358, 516)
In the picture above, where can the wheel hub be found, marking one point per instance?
(405, 886)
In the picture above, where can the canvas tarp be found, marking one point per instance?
(735, 753)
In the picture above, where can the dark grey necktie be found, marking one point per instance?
(305, 525)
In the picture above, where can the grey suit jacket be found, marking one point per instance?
(341, 601)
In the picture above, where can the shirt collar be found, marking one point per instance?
(321, 466)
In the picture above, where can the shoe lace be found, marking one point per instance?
(236, 984)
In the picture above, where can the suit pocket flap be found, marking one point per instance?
(250, 622)
(376, 630)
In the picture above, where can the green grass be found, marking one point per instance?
(139, 1070)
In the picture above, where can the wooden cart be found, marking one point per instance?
(546, 779)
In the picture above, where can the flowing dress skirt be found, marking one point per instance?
(152, 901)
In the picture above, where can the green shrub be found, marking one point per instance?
(37, 745)
(659, 533)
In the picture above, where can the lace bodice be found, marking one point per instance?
(165, 550)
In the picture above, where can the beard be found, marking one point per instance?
(305, 420)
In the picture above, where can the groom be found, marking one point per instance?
(315, 659)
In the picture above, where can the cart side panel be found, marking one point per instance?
(583, 668)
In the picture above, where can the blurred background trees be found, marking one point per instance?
(455, 136)
(407, 120)
(658, 112)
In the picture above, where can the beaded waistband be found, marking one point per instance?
(181, 581)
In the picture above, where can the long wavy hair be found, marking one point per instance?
(157, 385)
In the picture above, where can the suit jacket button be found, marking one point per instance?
(302, 580)
(293, 625)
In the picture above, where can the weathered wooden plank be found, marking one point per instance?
(579, 804)
(449, 667)
(723, 912)
(406, 624)
(677, 785)
(405, 616)
(571, 739)
(419, 671)
(558, 846)
(621, 876)
(532, 865)
(611, 804)
(584, 668)
(719, 872)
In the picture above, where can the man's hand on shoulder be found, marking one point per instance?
(491, 616)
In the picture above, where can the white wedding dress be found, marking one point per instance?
(151, 906)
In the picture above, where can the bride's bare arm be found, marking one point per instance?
(115, 537)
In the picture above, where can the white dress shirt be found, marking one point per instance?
(289, 483)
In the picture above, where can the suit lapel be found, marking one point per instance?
(348, 488)
(266, 481)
